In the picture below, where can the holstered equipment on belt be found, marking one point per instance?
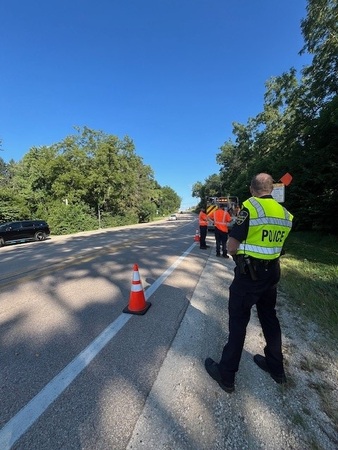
(245, 265)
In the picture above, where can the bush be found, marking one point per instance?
(67, 219)
(109, 221)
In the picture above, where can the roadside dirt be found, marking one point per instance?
(311, 396)
(187, 410)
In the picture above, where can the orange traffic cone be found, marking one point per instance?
(197, 236)
(137, 302)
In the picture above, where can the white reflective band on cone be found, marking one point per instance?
(136, 288)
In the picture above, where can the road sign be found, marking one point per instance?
(286, 179)
(278, 192)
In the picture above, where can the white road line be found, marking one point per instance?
(24, 419)
(151, 289)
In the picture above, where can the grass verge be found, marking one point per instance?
(310, 277)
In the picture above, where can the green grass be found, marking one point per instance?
(310, 277)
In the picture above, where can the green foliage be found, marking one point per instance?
(213, 187)
(169, 201)
(86, 181)
(320, 31)
(147, 210)
(309, 276)
(68, 219)
(297, 131)
(12, 203)
(108, 221)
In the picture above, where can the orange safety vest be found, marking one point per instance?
(221, 218)
(203, 219)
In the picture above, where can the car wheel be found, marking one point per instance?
(39, 236)
(2, 242)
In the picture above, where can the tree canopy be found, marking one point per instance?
(87, 177)
(297, 131)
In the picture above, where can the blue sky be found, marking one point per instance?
(173, 75)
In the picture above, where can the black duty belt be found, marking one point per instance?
(264, 262)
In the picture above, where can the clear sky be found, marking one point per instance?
(173, 75)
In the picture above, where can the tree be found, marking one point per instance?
(297, 130)
(12, 202)
(320, 32)
(170, 201)
(213, 186)
(86, 175)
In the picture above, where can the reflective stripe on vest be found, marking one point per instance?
(222, 221)
(269, 226)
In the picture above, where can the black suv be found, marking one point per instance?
(23, 230)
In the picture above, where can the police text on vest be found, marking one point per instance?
(273, 235)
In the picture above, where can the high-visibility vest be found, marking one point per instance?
(203, 219)
(269, 226)
(221, 219)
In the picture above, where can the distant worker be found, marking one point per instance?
(221, 218)
(255, 243)
(203, 223)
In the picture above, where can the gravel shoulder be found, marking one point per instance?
(186, 409)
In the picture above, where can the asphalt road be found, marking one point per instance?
(78, 373)
(75, 370)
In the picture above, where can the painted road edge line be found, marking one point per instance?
(24, 419)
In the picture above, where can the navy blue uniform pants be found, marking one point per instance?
(244, 294)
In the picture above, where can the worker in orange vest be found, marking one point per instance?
(203, 223)
(221, 218)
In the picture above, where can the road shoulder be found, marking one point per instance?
(186, 409)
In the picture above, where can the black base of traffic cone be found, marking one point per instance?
(138, 313)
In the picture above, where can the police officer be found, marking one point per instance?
(255, 242)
